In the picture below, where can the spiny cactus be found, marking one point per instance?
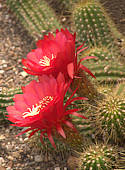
(93, 25)
(36, 16)
(121, 160)
(107, 70)
(110, 118)
(98, 157)
(102, 53)
(35, 143)
(6, 99)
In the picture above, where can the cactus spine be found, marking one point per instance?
(97, 157)
(110, 118)
(6, 99)
(110, 70)
(92, 24)
(36, 16)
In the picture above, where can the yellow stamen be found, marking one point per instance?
(46, 61)
(36, 108)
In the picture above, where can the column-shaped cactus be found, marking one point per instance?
(36, 16)
(93, 25)
(110, 117)
(108, 71)
(6, 99)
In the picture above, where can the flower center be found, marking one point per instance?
(37, 107)
(46, 61)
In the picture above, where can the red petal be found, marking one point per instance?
(78, 115)
(77, 98)
(70, 70)
(51, 139)
(69, 124)
(68, 101)
(85, 58)
(24, 131)
(81, 46)
(32, 133)
(87, 70)
(81, 50)
(60, 131)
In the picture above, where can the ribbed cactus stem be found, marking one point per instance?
(92, 24)
(6, 99)
(36, 16)
(107, 71)
(98, 157)
(110, 118)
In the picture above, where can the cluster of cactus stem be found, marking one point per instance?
(93, 25)
(110, 116)
(36, 16)
(6, 99)
(98, 157)
(107, 71)
(35, 143)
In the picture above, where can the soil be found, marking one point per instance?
(116, 9)
(15, 43)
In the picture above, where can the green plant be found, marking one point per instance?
(98, 157)
(93, 25)
(102, 53)
(36, 16)
(107, 71)
(35, 143)
(110, 117)
(6, 99)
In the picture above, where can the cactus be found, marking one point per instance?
(102, 53)
(6, 99)
(93, 24)
(107, 70)
(36, 16)
(35, 143)
(110, 118)
(121, 160)
(98, 157)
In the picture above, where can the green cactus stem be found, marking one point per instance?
(36, 16)
(98, 157)
(93, 25)
(110, 118)
(107, 71)
(6, 99)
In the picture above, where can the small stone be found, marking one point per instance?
(65, 168)
(57, 168)
(38, 158)
(1, 160)
(1, 71)
(10, 164)
(15, 154)
(2, 137)
(10, 157)
(23, 73)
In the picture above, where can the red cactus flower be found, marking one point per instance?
(41, 108)
(54, 55)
